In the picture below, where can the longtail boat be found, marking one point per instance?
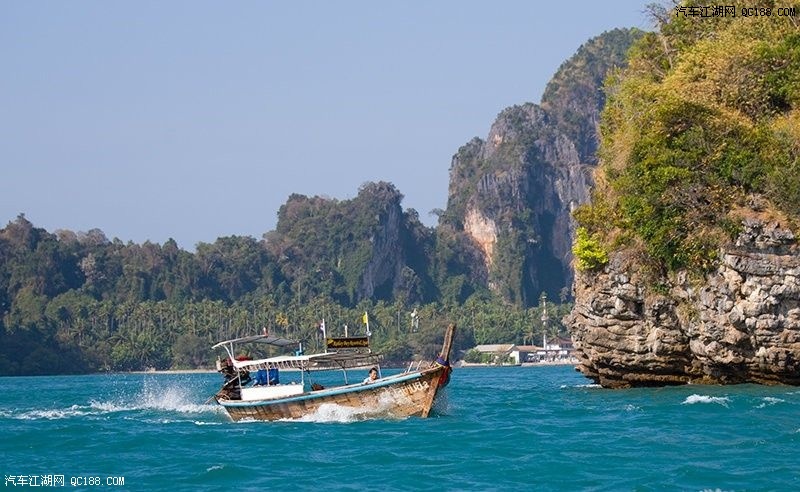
(253, 389)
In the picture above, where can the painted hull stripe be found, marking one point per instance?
(357, 388)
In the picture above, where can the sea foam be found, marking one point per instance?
(720, 400)
(172, 398)
(769, 401)
(54, 413)
(333, 413)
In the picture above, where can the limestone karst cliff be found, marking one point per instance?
(511, 195)
(507, 227)
(363, 248)
(691, 263)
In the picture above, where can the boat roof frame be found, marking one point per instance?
(267, 339)
(318, 362)
(323, 361)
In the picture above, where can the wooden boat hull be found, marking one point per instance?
(402, 395)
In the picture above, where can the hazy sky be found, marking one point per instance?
(197, 119)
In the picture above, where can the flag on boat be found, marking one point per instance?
(322, 328)
(366, 322)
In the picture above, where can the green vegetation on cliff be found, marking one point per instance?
(573, 98)
(705, 117)
(363, 248)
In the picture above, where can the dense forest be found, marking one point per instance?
(78, 302)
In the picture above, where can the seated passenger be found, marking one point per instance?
(373, 376)
(273, 375)
(261, 377)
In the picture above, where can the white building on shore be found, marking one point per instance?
(555, 350)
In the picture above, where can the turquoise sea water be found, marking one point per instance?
(539, 428)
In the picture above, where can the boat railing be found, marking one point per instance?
(418, 365)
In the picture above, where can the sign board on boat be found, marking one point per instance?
(349, 342)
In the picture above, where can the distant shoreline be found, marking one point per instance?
(524, 364)
(459, 364)
(174, 371)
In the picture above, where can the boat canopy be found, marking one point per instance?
(346, 358)
(318, 362)
(268, 339)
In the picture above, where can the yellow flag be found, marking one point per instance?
(366, 318)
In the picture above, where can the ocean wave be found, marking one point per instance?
(175, 399)
(54, 413)
(769, 401)
(198, 422)
(692, 399)
(109, 407)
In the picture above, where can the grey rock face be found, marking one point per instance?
(513, 194)
(386, 261)
(740, 324)
(527, 179)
